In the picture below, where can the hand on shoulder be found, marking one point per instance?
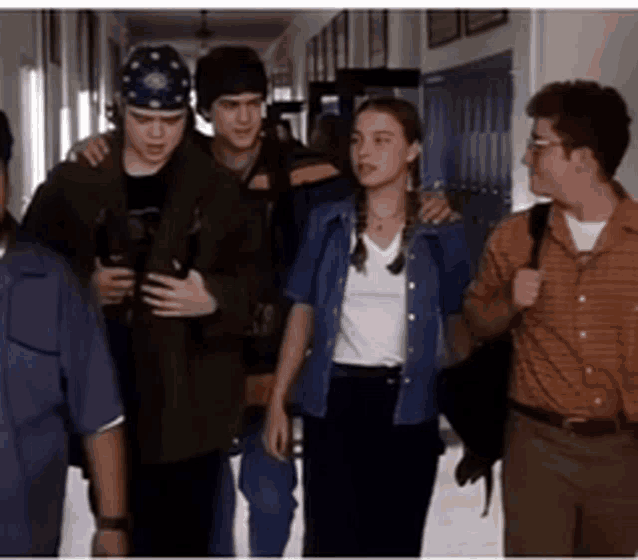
(93, 149)
(436, 209)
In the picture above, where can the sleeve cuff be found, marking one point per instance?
(119, 420)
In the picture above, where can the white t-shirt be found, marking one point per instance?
(584, 234)
(372, 325)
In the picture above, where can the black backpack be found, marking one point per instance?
(473, 394)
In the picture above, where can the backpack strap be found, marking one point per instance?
(537, 226)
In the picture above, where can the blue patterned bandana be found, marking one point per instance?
(156, 78)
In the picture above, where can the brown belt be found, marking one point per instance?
(576, 425)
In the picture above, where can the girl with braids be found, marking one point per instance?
(372, 286)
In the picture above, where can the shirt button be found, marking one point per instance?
(412, 285)
(582, 299)
(412, 257)
(407, 380)
(598, 401)
(411, 317)
(410, 350)
(390, 381)
(589, 370)
(335, 311)
(340, 281)
(329, 343)
(583, 334)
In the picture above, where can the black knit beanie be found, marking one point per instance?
(228, 71)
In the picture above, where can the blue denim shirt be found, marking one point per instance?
(437, 272)
(56, 375)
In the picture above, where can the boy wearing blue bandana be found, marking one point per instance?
(162, 235)
(231, 88)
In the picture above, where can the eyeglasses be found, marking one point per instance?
(537, 144)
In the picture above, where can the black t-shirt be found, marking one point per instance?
(145, 200)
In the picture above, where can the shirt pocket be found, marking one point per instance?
(33, 358)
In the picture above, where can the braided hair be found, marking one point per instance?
(408, 116)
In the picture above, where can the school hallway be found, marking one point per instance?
(454, 526)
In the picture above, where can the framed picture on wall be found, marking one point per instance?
(378, 38)
(310, 61)
(340, 40)
(320, 69)
(478, 21)
(444, 26)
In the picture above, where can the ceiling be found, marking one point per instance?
(255, 28)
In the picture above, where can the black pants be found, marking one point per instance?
(173, 506)
(367, 482)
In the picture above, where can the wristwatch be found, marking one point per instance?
(121, 523)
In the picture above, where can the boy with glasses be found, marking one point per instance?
(569, 474)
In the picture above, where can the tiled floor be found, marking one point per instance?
(454, 526)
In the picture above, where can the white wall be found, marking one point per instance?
(358, 25)
(600, 46)
(404, 39)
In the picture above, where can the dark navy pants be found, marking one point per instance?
(367, 482)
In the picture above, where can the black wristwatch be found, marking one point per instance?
(122, 523)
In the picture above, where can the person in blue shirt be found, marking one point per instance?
(372, 288)
(56, 376)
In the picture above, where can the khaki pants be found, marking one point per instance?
(567, 495)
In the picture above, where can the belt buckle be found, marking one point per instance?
(568, 421)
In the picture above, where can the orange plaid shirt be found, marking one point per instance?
(576, 346)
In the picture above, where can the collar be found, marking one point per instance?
(225, 158)
(624, 217)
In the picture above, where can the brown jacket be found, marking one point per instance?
(188, 372)
(576, 351)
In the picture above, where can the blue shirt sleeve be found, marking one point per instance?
(300, 287)
(92, 391)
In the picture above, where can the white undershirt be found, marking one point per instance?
(372, 326)
(584, 234)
